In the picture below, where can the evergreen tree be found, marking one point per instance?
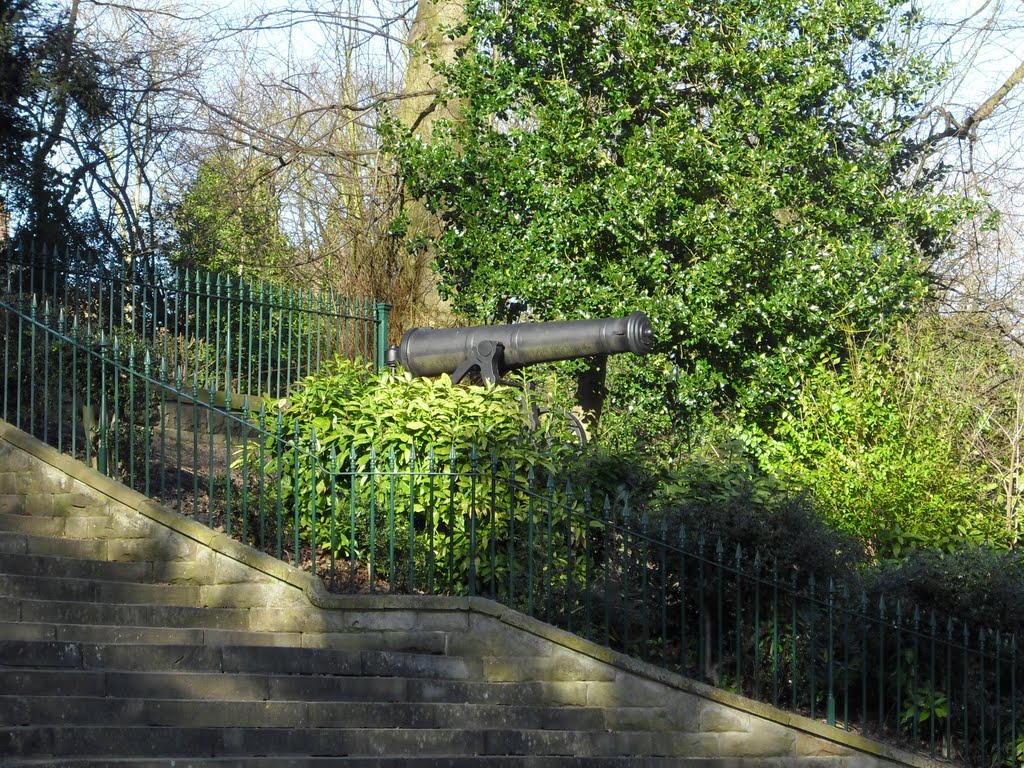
(742, 171)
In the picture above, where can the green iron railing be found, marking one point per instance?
(211, 332)
(447, 523)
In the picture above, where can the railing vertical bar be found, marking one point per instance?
(915, 675)
(758, 564)
(333, 508)
(899, 662)
(473, 474)
(999, 692)
(625, 576)
(511, 547)
(812, 657)
(314, 472)
(372, 550)
(61, 381)
(606, 520)
(432, 519)
(392, 493)
(720, 612)
(352, 516)
(46, 375)
(738, 610)
(549, 536)
(846, 656)
(33, 358)
(642, 560)
(570, 565)
(702, 665)
(881, 665)
(492, 528)
(684, 635)
(412, 519)
(793, 633)
(211, 492)
(948, 748)
(244, 493)
(830, 704)
(452, 486)
(663, 602)
(982, 692)
(775, 632)
(529, 542)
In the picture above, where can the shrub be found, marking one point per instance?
(438, 481)
(726, 498)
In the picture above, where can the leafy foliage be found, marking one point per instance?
(726, 498)
(444, 467)
(880, 443)
(735, 170)
(50, 80)
(228, 221)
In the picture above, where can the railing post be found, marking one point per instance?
(381, 312)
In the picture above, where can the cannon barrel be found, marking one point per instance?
(495, 349)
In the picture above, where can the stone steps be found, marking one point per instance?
(134, 639)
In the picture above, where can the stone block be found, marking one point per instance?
(80, 527)
(251, 595)
(196, 571)
(813, 746)
(39, 504)
(10, 609)
(12, 504)
(228, 571)
(445, 621)
(40, 654)
(84, 633)
(203, 686)
(718, 719)
(32, 525)
(150, 657)
(700, 746)
(13, 544)
(52, 682)
(627, 690)
(290, 661)
(391, 664)
(652, 718)
(337, 688)
(759, 742)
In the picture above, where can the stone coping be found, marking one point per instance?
(313, 588)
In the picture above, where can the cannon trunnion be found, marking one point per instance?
(497, 349)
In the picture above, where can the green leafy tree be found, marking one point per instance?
(229, 221)
(740, 171)
(52, 88)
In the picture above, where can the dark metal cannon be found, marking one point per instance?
(496, 349)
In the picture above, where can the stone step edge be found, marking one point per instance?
(367, 662)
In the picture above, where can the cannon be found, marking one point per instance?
(494, 350)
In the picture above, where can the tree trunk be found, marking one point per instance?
(418, 111)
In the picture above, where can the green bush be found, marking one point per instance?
(725, 497)
(978, 585)
(418, 480)
(881, 441)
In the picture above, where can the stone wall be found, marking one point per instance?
(693, 719)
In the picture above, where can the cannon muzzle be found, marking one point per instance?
(496, 349)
